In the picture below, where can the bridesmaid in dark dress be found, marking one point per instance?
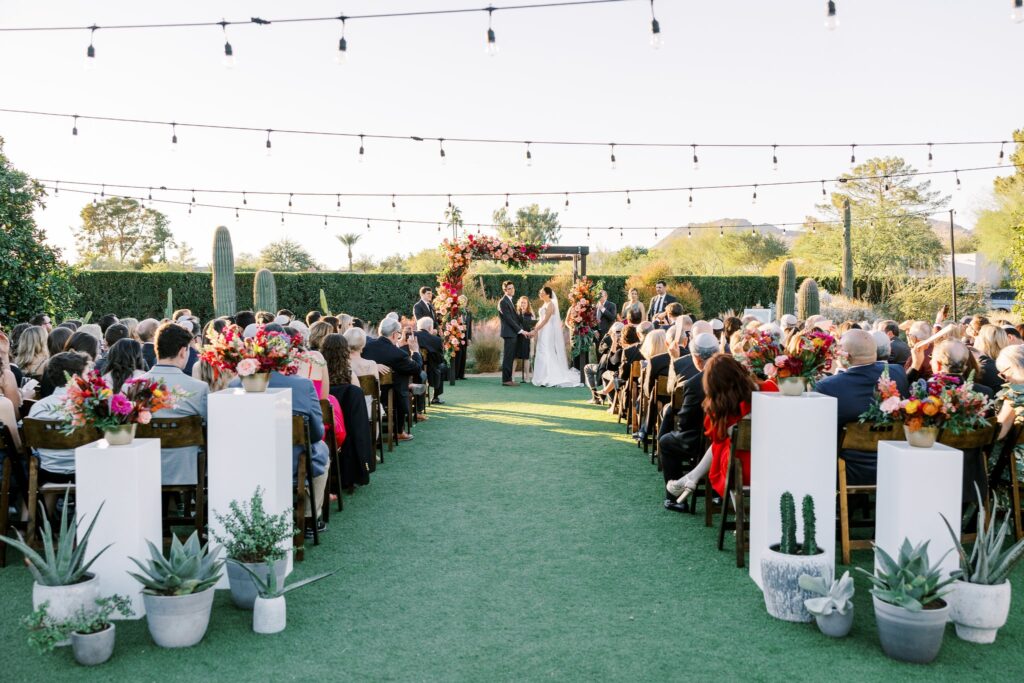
(356, 453)
(524, 309)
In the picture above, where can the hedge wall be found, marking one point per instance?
(371, 296)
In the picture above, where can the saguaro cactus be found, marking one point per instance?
(323, 303)
(847, 282)
(224, 301)
(807, 303)
(169, 310)
(264, 291)
(787, 507)
(785, 301)
(810, 542)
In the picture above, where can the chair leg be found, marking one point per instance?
(726, 496)
(5, 502)
(844, 514)
(1015, 494)
(201, 495)
(299, 532)
(313, 506)
(741, 530)
(707, 503)
(33, 500)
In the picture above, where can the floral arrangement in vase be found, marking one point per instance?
(582, 316)
(809, 356)
(253, 359)
(759, 351)
(941, 401)
(90, 402)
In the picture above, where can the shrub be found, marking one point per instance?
(681, 289)
(840, 309)
(487, 345)
(920, 299)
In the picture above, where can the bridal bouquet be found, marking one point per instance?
(90, 402)
(265, 352)
(582, 316)
(940, 401)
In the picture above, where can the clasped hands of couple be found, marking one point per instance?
(528, 335)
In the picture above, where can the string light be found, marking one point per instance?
(853, 154)
(449, 201)
(74, 131)
(691, 198)
(1017, 13)
(529, 155)
(337, 200)
(753, 230)
(282, 217)
(342, 53)
(689, 233)
(588, 232)
(174, 137)
(236, 214)
(656, 40)
(1002, 153)
(613, 156)
(229, 53)
(622, 235)
(506, 200)
(444, 159)
(439, 227)
(90, 52)
(103, 191)
(244, 199)
(957, 175)
(930, 155)
(721, 231)
(696, 161)
(150, 195)
(492, 45)
(268, 142)
(754, 198)
(831, 21)
(394, 206)
(886, 183)
(399, 227)
(814, 227)
(290, 197)
(367, 225)
(823, 193)
(655, 233)
(775, 158)
(629, 202)
(566, 201)
(325, 221)
(193, 197)
(361, 150)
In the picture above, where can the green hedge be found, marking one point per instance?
(370, 296)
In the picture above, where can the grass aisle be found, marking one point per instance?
(520, 537)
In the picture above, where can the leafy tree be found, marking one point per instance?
(245, 262)
(364, 264)
(530, 225)
(349, 239)
(392, 264)
(183, 259)
(121, 232)
(453, 218)
(1000, 224)
(33, 278)
(286, 256)
(426, 261)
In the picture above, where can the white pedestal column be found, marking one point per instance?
(125, 480)
(793, 448)
(915, 485)
(250, 445)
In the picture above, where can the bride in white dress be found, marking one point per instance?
(550, 366)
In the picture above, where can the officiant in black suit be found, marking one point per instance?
(606, 313)
(511, 329)
(424, 308)
(661, 300)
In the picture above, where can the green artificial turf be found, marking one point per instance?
(520, 536)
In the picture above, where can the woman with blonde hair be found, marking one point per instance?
(317, 333)
(633, 303)
(654, 350)
(32, 352)
(989, 342)
(344, 323)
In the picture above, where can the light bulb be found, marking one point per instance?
(831, 21)
(341, 56)
(229, 56)
(492, 44)
(656, 39)
(1017, 14)
(90, 58)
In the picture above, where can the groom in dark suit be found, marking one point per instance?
(661, 300)
(511, 328)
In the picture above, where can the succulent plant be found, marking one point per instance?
(785, 300)
(807, 303)
(988, 562)
(909, 581)
(264, 292)
(169, 306)
(189, 568)
(835, 596)
(269, 588)
(787, 510)
(810, 546)
(223, 268)
(64, 565)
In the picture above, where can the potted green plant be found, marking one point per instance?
(61, 573)
(785, 562)
(178, 591)
(270, 614)
(91, 630)
(909, 609)
(980, 600)
(253, 539)
(833, 606)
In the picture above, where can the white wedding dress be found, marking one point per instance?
(550, 366)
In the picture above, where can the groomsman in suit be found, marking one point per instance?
(661, 300)
(467, 321)
(424, 308)
(606, 313)
(511, 328)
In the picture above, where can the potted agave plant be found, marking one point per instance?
(909, 609)
(252, 541)
(980, 600)
(178, 591)
(833, 605)
(270, 612)
(61, 573)
(785, 562)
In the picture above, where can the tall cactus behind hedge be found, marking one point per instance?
(264, 291)
(787, 509)
(807, 303)
(224, 300)
(169, 309)
(785, 300)
(810, 542)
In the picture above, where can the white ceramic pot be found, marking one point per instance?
(256, 383)
(243, 589)
(922, 438)
(792, 386)
(910, 636)
(780, 580)
(120, 436)
(94, 648)
(979, 610)
(269, 615)
(66, 601)
(178, 620)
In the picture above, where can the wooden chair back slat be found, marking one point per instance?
(741, 435)
(978, 438)
(47, 434)
(859, 436)
(174, 432)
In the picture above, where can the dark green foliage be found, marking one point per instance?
(224, 300)
(807, 303)
(787, 506)
(169, 308)
(264, 291)
(785, 300)
(810, 546)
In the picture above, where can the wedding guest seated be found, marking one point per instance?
(630, 352)
(57, 466)
(592, 372)
(1010, 364)
(613, 359)
(358, 323)
(264, 318)
(654, 350)
(93, 330)
(988, 343)
(42, 320)
(216, 380)
(683, 367)
(245, 318)
(124, 362)
(11, 386)
(312, 317)
(681, 442)
(58, 339)
(730, 326)
(333, 321)
(114, 333)
(86, 343)
(854, 391)
(177, 465)
(917, 332)
(145, 330)
(355, 451)
(899, 350)
(32, 352)
(344, 323)
(433, 347)
(106, 321)
(403, 357)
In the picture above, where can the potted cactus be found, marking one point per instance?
(61, 573)
(980, 600)
(785, 562)
(909, 609)
(833, 606)
(92, 631)
(270, 613)
(178, 591)
(252, 540)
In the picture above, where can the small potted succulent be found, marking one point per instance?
(92, 631)
(253, 539)
(784, 563)
(833, 606)
(909, 609)
(61, 573)
(980, 600)
(270, 613)
(178, 591)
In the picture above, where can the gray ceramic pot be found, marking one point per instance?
(178, 620)
(780, 581)
(243, 589)
(66, 601)
(93, 648)
(836, 625)
(910, 636)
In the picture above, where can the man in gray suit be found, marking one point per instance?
(178, 465)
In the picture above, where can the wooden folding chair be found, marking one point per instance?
(660, 397)
(981, 442)
(13, 469)
(47, 434)
(303, 486)
(632, 393)
(735, 493)
(387, 388)
(182, 432)
(371, 388)
(26, 406)
(331, 439)
(858, 436)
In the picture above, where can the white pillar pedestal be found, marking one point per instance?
(249, 438)
(915, 485)
(793, 448)
(126, 481)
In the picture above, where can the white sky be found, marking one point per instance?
(737, 71)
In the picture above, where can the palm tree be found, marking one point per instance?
(349, 240)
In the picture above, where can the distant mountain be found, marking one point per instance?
(730, 224)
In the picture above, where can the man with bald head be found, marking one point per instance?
(854, 391)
